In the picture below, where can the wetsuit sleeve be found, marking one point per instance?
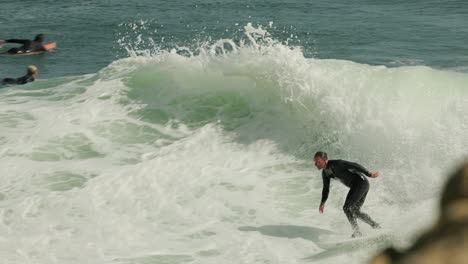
(20, 41)
(358, 167)
(25, 79)
(326, 187)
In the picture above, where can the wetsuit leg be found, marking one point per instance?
(352, 207)
(8, 81)
(13, 51)
(363, 216)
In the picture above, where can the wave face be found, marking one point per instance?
(204, 155)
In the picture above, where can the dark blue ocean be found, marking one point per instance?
(432, 33)
(183, 131)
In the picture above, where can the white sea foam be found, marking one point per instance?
(203, 156)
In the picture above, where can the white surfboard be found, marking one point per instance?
(379, 239)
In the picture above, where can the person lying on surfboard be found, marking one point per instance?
(352, 175)
(36, 45)
(31, 73)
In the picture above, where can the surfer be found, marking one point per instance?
(352, 175)
(35, 45)
(31, 73)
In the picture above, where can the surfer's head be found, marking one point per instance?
(32, 70)
(321, 160)
(39, 38)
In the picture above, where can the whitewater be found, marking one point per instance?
(204, 155)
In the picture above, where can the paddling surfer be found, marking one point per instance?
(31, 73)
(35, 45)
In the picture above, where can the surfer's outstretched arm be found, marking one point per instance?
(325, 191)
(358, 167)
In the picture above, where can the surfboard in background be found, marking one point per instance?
(48, 47)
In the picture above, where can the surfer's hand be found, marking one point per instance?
(2, 42)
(322, 206)
(375, 174)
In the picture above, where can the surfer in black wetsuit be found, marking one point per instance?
(29, 77)
(28, 45)
(352, 175)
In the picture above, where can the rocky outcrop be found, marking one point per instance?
(447, 241)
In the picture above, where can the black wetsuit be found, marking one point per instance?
(22, 80)
(28, 46)
(352, 175)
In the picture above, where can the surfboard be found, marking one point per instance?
(361, 242)
(48, 47)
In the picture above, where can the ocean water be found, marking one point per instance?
(182, 131)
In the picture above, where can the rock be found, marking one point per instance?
(447, 241)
